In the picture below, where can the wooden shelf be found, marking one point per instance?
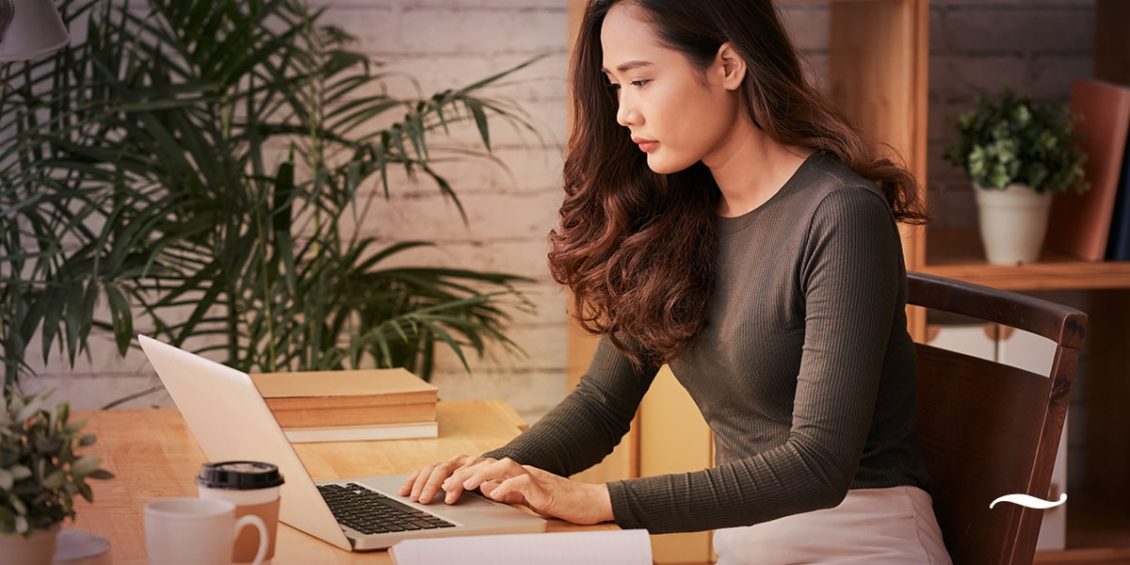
(1094, 521)
(958, 254)
(1097, 532)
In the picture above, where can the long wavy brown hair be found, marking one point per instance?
(638, 248)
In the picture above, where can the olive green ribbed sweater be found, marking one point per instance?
(804, 371)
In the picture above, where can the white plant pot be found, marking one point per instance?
(39, 549)
(1013, 223)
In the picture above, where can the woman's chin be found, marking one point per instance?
(661, 166)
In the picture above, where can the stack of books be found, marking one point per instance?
(359, 405)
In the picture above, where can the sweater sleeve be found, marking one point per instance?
(849, 273)
(584, 428)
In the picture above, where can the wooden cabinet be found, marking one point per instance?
(877, 73)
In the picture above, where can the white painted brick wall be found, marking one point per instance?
(442, 44)
(448, 44)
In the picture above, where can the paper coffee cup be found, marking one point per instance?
(253, 487)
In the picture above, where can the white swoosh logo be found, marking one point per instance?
(1030, 501)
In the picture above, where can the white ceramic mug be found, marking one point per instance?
(197, 531)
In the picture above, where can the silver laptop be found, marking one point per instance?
(231, 421)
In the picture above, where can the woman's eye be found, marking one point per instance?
(635, 83)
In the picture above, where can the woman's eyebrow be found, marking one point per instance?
(629, 66)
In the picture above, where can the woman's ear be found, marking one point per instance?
(731, 65)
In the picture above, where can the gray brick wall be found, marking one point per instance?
(1035, 46)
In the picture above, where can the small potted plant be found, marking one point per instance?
(1017, 153)
(40, 474)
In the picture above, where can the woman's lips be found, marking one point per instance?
(648, 146)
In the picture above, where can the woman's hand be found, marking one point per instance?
(423, 484)
(547, 494)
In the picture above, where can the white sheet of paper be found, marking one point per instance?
(612, 547)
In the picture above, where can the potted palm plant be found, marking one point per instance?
(1017, 153)
(41, 472)
(192, 168)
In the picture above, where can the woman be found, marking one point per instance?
(752, 246)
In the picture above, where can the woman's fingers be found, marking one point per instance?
(455, 481)
(439, 474)
(520, 484)
(427, 478)
(421, 479)
(407, 488)
(452, 475)
(488, 489)
(507, 481)
(497, 470)
(453, 485)
(522, 489)
(431, 484)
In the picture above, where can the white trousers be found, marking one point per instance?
(876, 526)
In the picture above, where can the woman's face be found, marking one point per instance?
(663, 98)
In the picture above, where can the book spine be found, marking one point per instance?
(1118, 247)
(357, 416)
(401, 431)
(350, 401)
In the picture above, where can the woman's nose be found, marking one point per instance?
(626, 114)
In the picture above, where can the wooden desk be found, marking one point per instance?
(154, 456)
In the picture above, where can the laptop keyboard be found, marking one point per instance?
(371, 512)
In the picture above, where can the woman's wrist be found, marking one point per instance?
(604, 503)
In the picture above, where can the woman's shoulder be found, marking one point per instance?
(837, 199)
(846, 211)
(836, 177)
(825, 191)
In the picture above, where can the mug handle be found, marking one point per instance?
(253, 520)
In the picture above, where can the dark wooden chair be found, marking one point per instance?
(988, 429)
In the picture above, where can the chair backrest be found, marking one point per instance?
(987, 429)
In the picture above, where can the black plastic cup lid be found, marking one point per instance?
(239, 475)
